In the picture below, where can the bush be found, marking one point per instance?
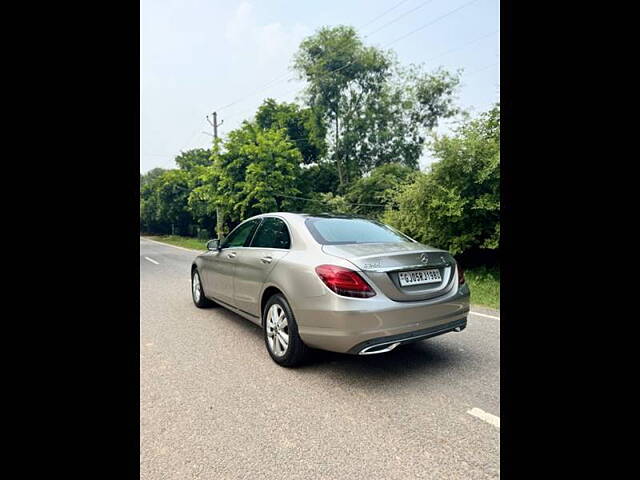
(456, 206)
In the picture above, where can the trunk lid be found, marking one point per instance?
(382, 262)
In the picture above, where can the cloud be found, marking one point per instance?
(241, 21)
(269, 41)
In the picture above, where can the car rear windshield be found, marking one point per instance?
(340, 231)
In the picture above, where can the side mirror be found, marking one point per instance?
(213, 244)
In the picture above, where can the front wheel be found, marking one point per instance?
(284, 345)
(197, 293)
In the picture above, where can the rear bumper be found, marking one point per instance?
(351, 325)
(386, 344)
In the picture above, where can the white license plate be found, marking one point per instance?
(419, 277)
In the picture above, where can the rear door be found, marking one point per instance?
(270, 243)
(220, 265)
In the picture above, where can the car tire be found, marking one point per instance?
(296, 351)
(197, 293)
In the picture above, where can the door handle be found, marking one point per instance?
(231, 255)
(266, 259)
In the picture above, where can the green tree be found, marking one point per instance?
(319, 178)
(302, 126)
(334, 62)
(253, 171)
(172, 190)
(149, 207)
(270, 178)
(377, 112)
(150, 176)
(207, 200)
(197, 157)
(456, 205)
(328, 203)
(163, 203)
(378, 188)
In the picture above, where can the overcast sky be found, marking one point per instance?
(197, 56)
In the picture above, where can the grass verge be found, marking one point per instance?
(484, 282)
(185, 242)
(485, 286)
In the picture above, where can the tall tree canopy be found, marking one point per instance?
(303, 127)
(256, 173)
(377, 112)
(163, 203)
(197, 157)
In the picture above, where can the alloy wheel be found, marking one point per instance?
(277, 330)
(196, 286)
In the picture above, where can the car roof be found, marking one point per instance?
(310, 215)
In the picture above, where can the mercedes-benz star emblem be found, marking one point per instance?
(424, 258)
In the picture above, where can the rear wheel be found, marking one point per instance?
(197, 293)
(281, 333)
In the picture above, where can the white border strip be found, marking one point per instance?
(174, 246)
(487, 417)
(484, 315)
(151, 260)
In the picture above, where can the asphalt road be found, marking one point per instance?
(214, 405)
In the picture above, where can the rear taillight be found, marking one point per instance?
(460, 275)
(344, 281)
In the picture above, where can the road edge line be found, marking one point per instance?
(174, 246)
(484, 315)
(485, 416)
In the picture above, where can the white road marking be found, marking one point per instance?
(487, 417)
(151, 260)
(174, 246)
(484, 315)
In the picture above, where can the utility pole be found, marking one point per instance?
(219, 213)
(215, 124)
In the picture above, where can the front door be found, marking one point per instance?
(270, 243)
(220, 265)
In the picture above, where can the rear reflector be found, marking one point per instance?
(344, 282)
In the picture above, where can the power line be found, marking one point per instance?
(264, 87)
(432, 58)
(397, 39)
(451, 12)
(398, 18)
(281, 77)
(383, 14)
(482, 69)
(462, 47)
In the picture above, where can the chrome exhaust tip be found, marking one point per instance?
(373, 349)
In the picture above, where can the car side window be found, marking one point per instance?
(240, 235)
(272, 233)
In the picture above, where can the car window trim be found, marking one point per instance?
(272, 248)
(253, 235)
(259, 220)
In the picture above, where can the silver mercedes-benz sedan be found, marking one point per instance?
(339, 283)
